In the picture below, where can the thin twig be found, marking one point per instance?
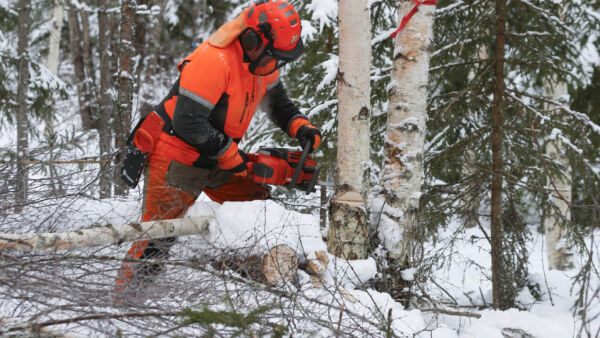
(37, 326)
(451, 312)
(340, 320)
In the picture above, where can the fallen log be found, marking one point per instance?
(278, 265)
(105, 235)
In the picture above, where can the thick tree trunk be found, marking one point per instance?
(405, 133)
(105, 105)
(348, 226)
(122, 121)
(54, 43)
(559, 257)
(497, 158)
(22, 174)
(83, 93)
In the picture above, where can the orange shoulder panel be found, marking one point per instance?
(206, 75)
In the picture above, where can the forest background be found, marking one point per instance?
(76, 75)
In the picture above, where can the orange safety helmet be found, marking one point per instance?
(275, 27)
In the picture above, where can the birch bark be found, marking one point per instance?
(405, 132)
(22, 174)
(559, 257)
(98, 236)
(54, 43)
(348, 216)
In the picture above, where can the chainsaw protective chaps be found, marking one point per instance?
(170, 189)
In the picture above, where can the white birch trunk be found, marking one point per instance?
(471, 199)
(348, 216)
(559, 257)
(106, 235)
(405, 134)
(54, 43)
(22, 174)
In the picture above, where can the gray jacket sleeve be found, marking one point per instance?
(279, 108)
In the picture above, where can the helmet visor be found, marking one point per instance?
(272, 59)
(289, 55)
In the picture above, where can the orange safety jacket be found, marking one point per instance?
(212, 104)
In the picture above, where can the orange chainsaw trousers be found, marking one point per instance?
(170, 188)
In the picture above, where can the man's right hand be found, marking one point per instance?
(233, 160)
(305, 133)
(309, 134)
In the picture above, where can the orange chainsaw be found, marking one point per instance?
(285, 167)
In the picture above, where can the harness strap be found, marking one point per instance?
(160, 108)
(162, 112)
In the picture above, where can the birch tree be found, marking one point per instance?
(348, 215)
(54, 43)
(559, 257)
(22, 175)
(405, 132)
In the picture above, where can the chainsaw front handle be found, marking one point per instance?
(300, 166)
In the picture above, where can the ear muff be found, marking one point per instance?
(250, 39)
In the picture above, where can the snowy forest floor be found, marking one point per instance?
(72, 293)
(45, 288)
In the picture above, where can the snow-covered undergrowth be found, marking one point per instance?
(465, 283)
(79, 285)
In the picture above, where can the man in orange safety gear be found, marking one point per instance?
(205, 115)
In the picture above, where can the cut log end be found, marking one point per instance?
(280, 265)
(319, 265)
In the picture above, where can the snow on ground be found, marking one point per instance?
(464, 279)
(258, 225)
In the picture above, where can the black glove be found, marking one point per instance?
(309, 133)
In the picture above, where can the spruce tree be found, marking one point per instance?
(542, 40)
